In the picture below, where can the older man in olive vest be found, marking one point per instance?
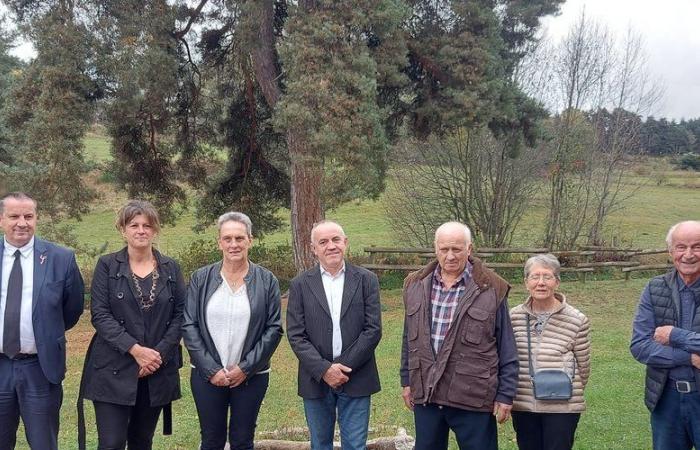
(459, 364)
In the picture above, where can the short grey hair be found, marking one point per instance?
(546, 260)
(323, 222)
(16, 196)
(669, 235)
(234, 216)
(444, 226)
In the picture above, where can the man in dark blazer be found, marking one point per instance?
(333, 326)
(41, 296)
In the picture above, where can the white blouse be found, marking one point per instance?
(228, 317)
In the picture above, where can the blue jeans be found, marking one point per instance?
(675, 422)
(353, 420)
(474, 430)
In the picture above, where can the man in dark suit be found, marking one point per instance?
(41, 296)
(333, 326)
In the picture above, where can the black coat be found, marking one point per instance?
(111, 373)
(310, 331)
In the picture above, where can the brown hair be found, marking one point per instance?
(135, 208)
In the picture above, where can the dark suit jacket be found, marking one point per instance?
(111, 373)
(57, 303)
(310, 331)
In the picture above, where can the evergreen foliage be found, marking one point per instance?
(10, 68)
(264, 104)
(661, 137)
(48, 111)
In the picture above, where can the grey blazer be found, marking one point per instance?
(310, 331)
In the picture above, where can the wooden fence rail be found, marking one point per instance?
(573, 261)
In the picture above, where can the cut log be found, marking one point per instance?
(401, 441)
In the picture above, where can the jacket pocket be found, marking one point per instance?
(413, 318)
(476, 326)
(470, 384)
(415, 377)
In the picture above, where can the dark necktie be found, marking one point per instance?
(13, 307)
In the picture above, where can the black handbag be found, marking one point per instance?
(548, 384)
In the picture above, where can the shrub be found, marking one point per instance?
(688, 161)
(198, 254)
(278, 259)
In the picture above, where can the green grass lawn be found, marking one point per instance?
(616, 417)
(97, 147)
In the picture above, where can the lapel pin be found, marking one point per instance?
(42, 259)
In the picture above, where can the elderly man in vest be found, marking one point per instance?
(666, 337)
(459, 365)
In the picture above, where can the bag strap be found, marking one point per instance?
(529, 352)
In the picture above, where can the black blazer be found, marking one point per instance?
(310, 331)
(111, 373)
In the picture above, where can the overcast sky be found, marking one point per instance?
(671, 35)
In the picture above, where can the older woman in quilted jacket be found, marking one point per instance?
(560, 339)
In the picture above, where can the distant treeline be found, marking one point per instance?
(662, 137)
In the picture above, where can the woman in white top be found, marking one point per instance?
(232, 327)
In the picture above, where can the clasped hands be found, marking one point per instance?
(662, 335)
(148, 359)
(228, 378)
(336, 375)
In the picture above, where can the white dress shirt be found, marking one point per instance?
(26, 329)
(228, 317)
(333, 286)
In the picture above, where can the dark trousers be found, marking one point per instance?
(213, 404)
(118, 425)
(25, 392)
(474, 430)
(545, 431)
(675, 421)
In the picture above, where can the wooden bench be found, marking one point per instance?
(423, 252)
(655, 267)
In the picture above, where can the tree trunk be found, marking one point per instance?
(306, 171)
(306, 175)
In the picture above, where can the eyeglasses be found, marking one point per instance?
(538, 277)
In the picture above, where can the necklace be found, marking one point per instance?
(147, 303)
(234, 279)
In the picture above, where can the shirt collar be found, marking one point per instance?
(327, 273)
(437, 274)
(681, 284)
(25, 250)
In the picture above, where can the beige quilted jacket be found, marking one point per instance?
(564, 342)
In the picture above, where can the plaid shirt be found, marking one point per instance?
(443, 303)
